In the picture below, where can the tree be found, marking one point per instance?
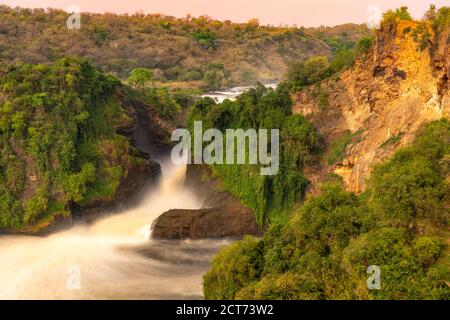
(431, 13)
(214, 77)
(402, 14)
(310, 72)
(364, 44)
(139, 77)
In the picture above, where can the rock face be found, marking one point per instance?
(204, 223)
(386, 97)
(138, 175)
(222, 215)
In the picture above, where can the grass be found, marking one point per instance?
(392, 140)
(336, 149)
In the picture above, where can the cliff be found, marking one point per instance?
(381, 102)
(66, 144)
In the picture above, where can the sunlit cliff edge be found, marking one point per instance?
(382, 101)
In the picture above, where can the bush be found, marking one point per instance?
(162, 102)
(400, 224)
(336, 149)
(139, 77)
(312, 71)
(401, 13)
(235, 266)
(205, 38)
(442, 20)
(214, 78)
(10, 211)
(365, 44)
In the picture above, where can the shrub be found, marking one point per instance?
(205, 38)
(365, 44)
(401, 13)
(10, 211)
(399, 224)
(235, 266)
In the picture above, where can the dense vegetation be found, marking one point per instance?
(316, 69)
(272, 197)
(210, 52)
(399, 224)
(57, 139)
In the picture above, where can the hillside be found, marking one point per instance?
(372, 144)
(218, 54)
(60, 147)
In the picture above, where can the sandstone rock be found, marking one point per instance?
(395, 88)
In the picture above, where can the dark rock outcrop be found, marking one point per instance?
(222, 215)
(204, 223)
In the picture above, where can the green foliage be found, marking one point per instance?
(52, 119)
(410, 186)
(271, 197)
(400, 224)
(35, 206)
(162, 102)
(75, 184)
(314, 70)
(214, 77)
(337, 43)
(322, 95)
(205, 38)
(442, 20)
(342, 60)
(422, 36)
(98, 34)
(330, 219)
(336, 150)
(9, 210)
(140, 77)
(392, 140)
(364, 44)
(401, 13)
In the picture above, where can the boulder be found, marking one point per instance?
(205, 223)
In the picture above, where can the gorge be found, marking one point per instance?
(92, 205)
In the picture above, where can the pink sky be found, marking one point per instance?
(300, 12)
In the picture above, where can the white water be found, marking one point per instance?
(114, 257)
(233, 93)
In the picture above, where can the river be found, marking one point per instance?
(114, 258)
(233, 93)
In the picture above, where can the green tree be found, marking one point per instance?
(140, 77)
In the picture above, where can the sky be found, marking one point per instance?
(299, 12)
